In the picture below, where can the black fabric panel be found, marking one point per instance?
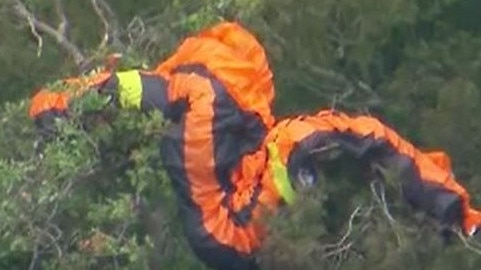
(110, 88)
(243, 217)
(45, 123)
(236, 132)
(227, 154)
(111, 85)
(154, 93)
(226, 119)
(348, 143)
(436, 201)
(154, 96)
(208, 250)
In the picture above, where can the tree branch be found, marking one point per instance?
(64, 24)
(346, 235)
(34, 260)
(100, 13)
(474, 247)
(59, 34)
(37, 36)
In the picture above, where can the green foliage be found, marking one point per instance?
(94, 200)
(345, 225)
(99, 199)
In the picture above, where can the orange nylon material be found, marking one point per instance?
(46, 100)
(441, 159)
(200, 166)
(434, 167)
(237, 59)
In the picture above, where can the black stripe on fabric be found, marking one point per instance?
(212, 253)
(154, 93)
(236, 132)
(243, 217)
(45, 122)
(111, 85)
(435, 200)
(111, 88)
(227, 141)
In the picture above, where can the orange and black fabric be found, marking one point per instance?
(217, 89)
(127, 89)
(47, 105)
(228, 161)
(214, 154)
(426, 179)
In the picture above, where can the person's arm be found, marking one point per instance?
(427, 180)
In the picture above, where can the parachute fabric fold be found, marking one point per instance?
(222, 82)
(426, 178)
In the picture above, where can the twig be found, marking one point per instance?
(21, 10)
(53, 239)
(346, 84)
(100, 13)
(39, 38)
(64, 24)
(466, 243)
(337, 251)
(60, 33)
(382, 200)
(340, 98)
(347, 233)
(324, 148)
(33, 261)
(349, 230)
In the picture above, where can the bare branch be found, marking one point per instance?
(100, 13)
(107, 8)
(53, 240)
(59, 34)
(324, 149)
(474, 247)
(340, 98)
(338, 251)
(109, 22)
(114, 24)
(39, 38)
(34, 260)
(341, 249)
(381, 199)
(137, 27)
(64, 24)
(346, 235)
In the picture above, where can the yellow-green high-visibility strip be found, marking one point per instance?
(130, 89)
(281, 177)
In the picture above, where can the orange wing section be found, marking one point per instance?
(236, 58)
(427, 178)
(441, 159)
(218, 184)
(214, 154)
(46, 100)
